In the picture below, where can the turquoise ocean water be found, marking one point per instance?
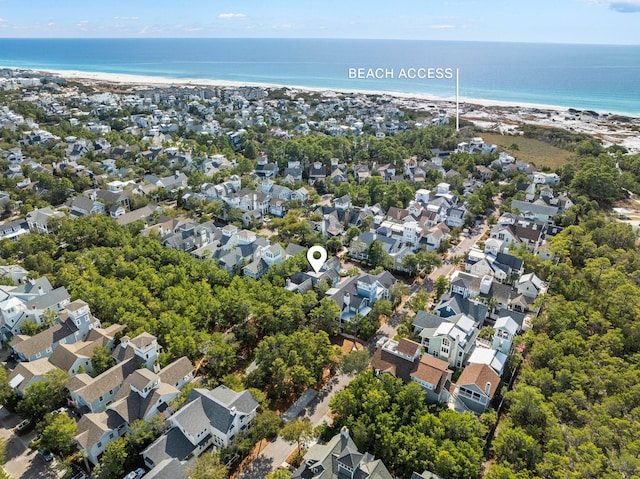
(605, 78)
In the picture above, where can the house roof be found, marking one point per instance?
(131, 406)
(49, 299)
(174, 372)
(66, 355)
(433, 371)
(408, 347)
(26, 371)
(508, 323)
(169, 468)
(393, 364)
(108, 380)
(217, 408)
(41, 341)
(479, 375)
(492, 358)
(92, 426)
(171, 445)
(321, 461)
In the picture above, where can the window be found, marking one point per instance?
(100, 444)
(111, 436)
(100, 399)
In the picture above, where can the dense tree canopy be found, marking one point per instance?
(392, 422)
(574, 411)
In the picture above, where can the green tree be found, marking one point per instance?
(101, 360)
(516, 448)
(325, 317)
(378, 256)
(355, 361)
(280, 474)
(44, 396)
(441, 285)
(297, 431)
(58, 435)
(208, 466)
(113, 460)
(6, 392)
(265, 425)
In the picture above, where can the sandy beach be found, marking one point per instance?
(500, 116)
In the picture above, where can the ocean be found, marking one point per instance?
(604, 78)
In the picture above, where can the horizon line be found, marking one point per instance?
(522, 42)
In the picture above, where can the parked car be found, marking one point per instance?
(137, 474)
(22, 427)
(46, 455)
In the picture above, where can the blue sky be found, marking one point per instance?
(562, 21)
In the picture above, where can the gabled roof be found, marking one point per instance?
(508, 323)
(41, 341)
(322, 461)
(217, 408)
(433, 371)
(479, 375)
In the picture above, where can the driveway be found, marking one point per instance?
(22, 461)
(277, 452)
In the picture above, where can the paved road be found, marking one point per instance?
(389, 328)
(277, 452)
(22, 461)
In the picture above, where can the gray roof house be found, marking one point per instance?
(209, 417)
(143, 395)
(76, 322)
(340, 458)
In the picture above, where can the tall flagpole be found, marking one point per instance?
(457, 100)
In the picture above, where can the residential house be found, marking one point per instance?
(452, 339)
(317, 173)
(14, 272)
(476, 387)
(75, 322)
(143, 395)
(530, 286)
(27, 373)
(356, 295)
(94, 394)
(506, 329)
(208, 418)
(434, 376)
(39, 219)
(540, 212)
(76, 357)
(14, 229)
(340, 458)
(83, 206)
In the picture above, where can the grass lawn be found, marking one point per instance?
(530, 150)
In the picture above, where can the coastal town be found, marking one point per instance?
(157, 303)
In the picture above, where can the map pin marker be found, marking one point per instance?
(316, 263)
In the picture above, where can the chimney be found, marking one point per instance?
(344, 432)
(40, 292)
(487, 389)
(124, 341)
(347, 299)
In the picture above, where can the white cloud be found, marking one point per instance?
(620, 6)
(441, 27)
(227, 16)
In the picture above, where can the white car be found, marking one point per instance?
(137, 474)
